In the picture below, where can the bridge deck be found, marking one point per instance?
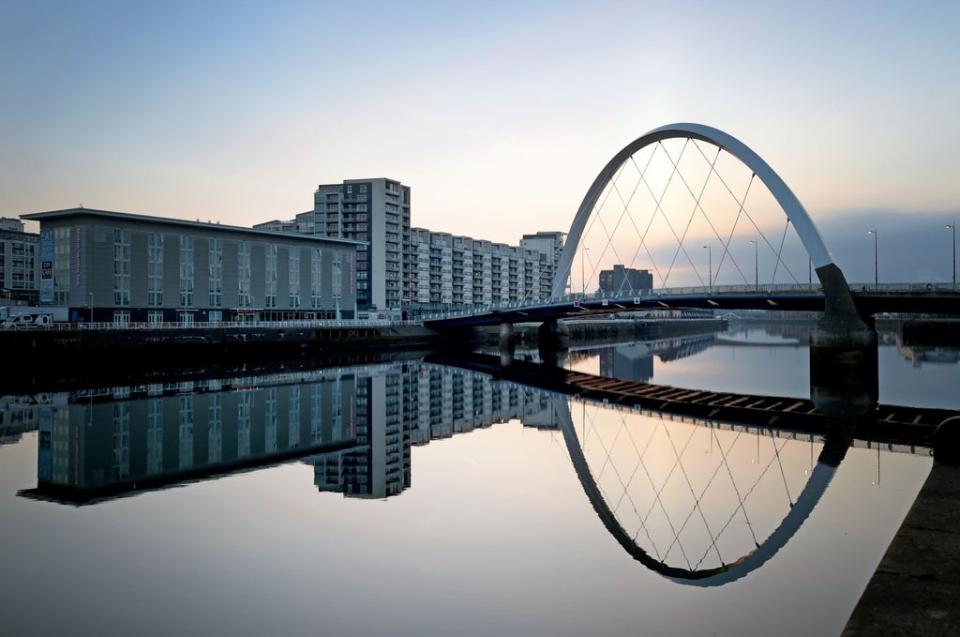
(868, 302)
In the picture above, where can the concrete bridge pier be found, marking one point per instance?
(553, 341)
(844, 379)
(507, 343)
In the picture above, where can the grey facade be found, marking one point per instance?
(376, 212)
(19, 262)
(119, 267)
(449, 270)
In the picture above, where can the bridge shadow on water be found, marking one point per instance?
(699, 486)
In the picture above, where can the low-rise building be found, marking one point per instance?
(121, 268)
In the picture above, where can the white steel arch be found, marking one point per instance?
(796, 213)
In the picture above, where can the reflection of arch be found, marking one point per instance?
(819, 480)
(829, 274)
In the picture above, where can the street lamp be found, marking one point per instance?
(756, 264)
(953, 249)
(583, 278)
(876, 259)
(709, 250)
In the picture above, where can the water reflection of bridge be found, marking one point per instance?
(356, 426)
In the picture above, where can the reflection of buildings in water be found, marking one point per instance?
(122, 439)
(917, 356)
(20, 414)
(355, 425)
(634, 361)
(403, 405)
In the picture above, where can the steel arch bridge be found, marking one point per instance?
(832, 295)
(836, 290)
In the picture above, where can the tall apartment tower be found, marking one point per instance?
(376, 211)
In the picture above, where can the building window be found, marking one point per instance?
(294, 277)
(316, 281)
(244, 422)
(121, 441)
(216, 272)
(186, 270)
(121, 318)
(185, 422)
(336, 277)
(293, 417)
(121, 267)
(215, 429)
(215, 317)
(270, 283)
(154, 317)
(270, 420)
(155, 269)
(154, 436)
(243, 275)
(186, 318)
(61, 266)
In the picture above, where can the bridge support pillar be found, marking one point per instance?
(844, 382)
(840, 314)
(507, 343)
(553, 340)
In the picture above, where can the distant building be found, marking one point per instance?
(19, 262)
(621, 280)
(121, 268)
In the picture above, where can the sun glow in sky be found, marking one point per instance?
(497, 114)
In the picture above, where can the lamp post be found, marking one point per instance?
(756, 264)
(876, 259)
(583, 277)
(953, 249)
(709, 250)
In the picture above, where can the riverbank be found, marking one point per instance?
(916, 588)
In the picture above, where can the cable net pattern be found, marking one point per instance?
(692, 215)
(692, 496)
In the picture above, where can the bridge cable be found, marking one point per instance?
(643, 236)
(773, 279)
(696, 503)
(642, 523)
(725, 244)
(696, 205)
(752, 221)
(659, 208)
(625, 212)
(630, 216)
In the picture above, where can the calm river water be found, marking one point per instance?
(412, 498)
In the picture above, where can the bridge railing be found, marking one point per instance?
(689, 291)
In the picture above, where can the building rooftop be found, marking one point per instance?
(206, 225)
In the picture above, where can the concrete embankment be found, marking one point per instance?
(916, 588)
(39, 360)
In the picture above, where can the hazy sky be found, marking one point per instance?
(497, 114)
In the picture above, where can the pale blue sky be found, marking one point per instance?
(498, 114)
